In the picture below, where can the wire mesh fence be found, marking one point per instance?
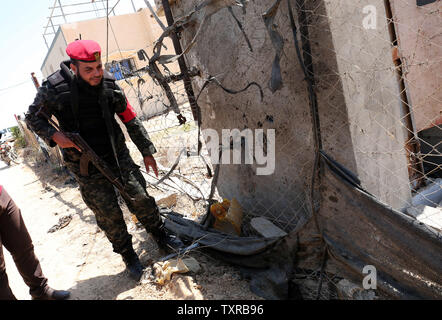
(372, 101)
(400, 101)
(359, 79)
(392, 159)
(159, 98)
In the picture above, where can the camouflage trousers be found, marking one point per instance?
(102, 198)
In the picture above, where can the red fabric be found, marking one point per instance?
(84, 50)
(128, 114)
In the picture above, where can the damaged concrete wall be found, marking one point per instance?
(419, 31)
(358, 96)
(222, 51)
(351, 103)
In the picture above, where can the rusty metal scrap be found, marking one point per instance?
(155, 73)
(208, 8)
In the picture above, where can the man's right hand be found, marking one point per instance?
(63, 142)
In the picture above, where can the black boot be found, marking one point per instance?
(51, 294)
(166, 240)
(133, 264)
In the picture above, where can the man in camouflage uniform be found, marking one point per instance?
(85, 101)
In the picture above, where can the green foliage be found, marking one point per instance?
(15, 132)
(20, 141)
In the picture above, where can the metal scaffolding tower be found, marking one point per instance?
(66, 11)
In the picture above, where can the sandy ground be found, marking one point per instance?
(79, 257)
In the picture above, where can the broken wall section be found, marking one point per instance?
(357, 92)
(222, 51)
(359, 98)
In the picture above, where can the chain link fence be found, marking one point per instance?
(158, 95)
(359, 79)
(372, 102)
(385, 64)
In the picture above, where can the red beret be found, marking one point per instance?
(84, 50)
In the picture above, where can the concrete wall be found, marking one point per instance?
(222, 51)
(359, 98)
(127, 33)
(56, 54)
(418, 31)
(128, 30)
(358, 101)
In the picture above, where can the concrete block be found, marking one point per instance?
(192, 264)
(265, 228)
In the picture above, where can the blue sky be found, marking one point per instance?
(23, 49)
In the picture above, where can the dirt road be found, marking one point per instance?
(79, 257)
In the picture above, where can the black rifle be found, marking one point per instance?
(88, 155)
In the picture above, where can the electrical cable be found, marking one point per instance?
(14, 86)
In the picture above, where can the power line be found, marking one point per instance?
(13, 86)
(109, 12)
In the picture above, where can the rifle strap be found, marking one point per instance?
(75, 103)
(103, 101)
(84, 161)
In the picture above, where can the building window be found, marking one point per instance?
(121, 69)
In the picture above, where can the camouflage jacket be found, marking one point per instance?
(54, 97)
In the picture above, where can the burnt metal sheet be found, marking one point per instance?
(360, 230)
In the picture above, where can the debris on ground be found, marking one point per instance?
(62, 222)
(167, 202)
(184, 288)
(228, 216)
(163, 270)
(265, 228)
(348, 290)
(192, 264)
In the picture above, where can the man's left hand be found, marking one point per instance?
(149, 161)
